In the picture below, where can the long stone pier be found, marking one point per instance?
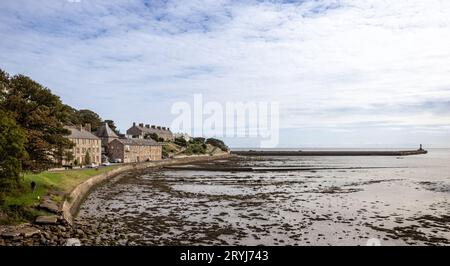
(330, 153)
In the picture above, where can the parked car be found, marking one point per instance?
(106, 163)
(92, 165)
(117, 161)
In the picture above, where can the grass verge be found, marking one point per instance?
(20, 205)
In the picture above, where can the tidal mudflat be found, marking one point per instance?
(406, 201)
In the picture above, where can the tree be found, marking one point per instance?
(154, 137)
(112, 125)
(4, 84)
(217, 143)
(41, 115)
(87, 158)
(90, 117)
(181, 141)
(68, 156)
(198, 140)
(12, 151)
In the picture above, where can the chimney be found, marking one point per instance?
(168, 129)
(147, 126)
(163, 128)
(79, 127)
(87, 127)
(141, 124)
(134, 124)
(153, 126)
(159, 127)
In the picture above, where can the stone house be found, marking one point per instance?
(134, 150)
(85, 143)
(139, 131)
(106, 134)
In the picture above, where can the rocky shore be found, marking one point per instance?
(55, 229)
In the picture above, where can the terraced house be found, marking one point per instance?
(135, 150)
(141, 130)
(86, 144)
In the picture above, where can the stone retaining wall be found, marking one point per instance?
(78, 195)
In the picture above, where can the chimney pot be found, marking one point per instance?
(141, 124)
(159, 127)
(147, 126)
(134, 124)
(153, 126)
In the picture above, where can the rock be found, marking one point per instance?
(73, 242)
(10, 233)
(47, 220)
(49, 205)
(30, 231)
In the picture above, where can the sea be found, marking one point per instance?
(361, 200)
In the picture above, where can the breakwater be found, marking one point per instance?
(330, 153)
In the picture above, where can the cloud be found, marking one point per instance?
(331, 64)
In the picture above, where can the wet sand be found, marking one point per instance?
(407, 203)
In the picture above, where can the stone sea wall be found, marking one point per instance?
(76, 197)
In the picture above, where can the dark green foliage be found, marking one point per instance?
(112, 125)
(165, 151)
(87, 158)
(154, 137)
(12, 151)
(41, 115)
(181, 142)
(4, 81)
(217, 143)
(196, 148)
(90, 117)
(198, 140)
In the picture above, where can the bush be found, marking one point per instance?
(198, 140)
(196, 148)
(181, 142)
(87, 158)
(154, 137)
(217, 143)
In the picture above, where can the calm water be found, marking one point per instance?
(407, 202)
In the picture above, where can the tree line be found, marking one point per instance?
(32, 133)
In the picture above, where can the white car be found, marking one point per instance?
(106, 164)
(92, 165)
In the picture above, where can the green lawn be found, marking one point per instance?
(25, 199)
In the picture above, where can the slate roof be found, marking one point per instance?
(152, 130)
(106, 132)
(139, 142)
(75, 133)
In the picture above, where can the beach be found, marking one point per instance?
(387, 201)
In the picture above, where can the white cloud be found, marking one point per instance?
(127, 59)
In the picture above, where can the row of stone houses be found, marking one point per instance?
(141, 130)
(86, 144)
(105, 143)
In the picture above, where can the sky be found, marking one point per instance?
(345, 73)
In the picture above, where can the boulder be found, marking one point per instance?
(73, 242)
(50, 206)
(30, 231)
(10, 233)
(47, 220)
